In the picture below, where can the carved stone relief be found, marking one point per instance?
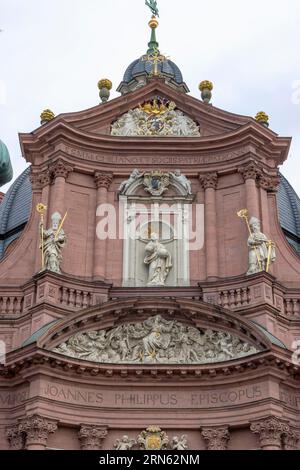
(155, 341)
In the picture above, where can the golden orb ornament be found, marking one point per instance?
(105, 83)
(153, 23)
(206, 85)
(261, 116)
(47, 115)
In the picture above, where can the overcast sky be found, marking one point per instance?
(52, 54)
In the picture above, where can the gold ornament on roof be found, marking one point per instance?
(206, 84)
(47, 115)
(157, 107)
(105, 83)
(261, 116)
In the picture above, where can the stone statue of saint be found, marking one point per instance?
(159, 261)
(53, 243)
(152, 4)
(182, 180)
(125, 185)
(260, 249)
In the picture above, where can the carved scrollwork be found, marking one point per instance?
(209, 180)
(145, 121)
(216, 438)
(37, 429)
(15, 437)
(92, 437)
(270, 431)
(250, 171)
(60, 169)
(269, 183)
(103, 179)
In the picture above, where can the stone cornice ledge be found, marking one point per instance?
(29, 359)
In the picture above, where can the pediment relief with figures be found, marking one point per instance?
(140, 332)
(156, 341)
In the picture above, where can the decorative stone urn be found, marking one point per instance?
(206, 88)
(104, 86)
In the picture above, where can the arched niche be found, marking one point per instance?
(167, 215)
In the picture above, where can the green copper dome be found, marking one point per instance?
(6, 171)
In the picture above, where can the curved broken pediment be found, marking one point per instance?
(156, 341)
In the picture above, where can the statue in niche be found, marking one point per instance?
(179, 443)
(125, 443)
(261, 250)
(53, 242)
(182, 180)
(159, 261)
(125, 185)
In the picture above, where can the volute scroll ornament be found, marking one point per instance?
(216, 438)
(92, 437)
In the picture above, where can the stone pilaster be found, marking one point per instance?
(103, 181)
(37, 429)
(15, 437)
(209, 182)
(270, 431)
(251, 172)
(216, 438)
(92, 437)
(59, 171)
(290, 439)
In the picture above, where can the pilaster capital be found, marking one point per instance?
(290, 439)
(92, 437)
(37, 429)
(216, 438)
(269, 183)
(60, 169)
(15, 437)
(270, 431)
(209, 180)
(103, 179)
(250, 171)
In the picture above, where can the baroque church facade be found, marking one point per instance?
(150, 276)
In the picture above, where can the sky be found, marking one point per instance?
(52, 54)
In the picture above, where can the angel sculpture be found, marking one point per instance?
(125, 443)
(179, 443)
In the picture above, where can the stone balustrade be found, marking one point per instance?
(11, 304)
(292, 306)
(71, 294)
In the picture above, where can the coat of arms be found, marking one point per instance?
(153, 439)
(156, 182)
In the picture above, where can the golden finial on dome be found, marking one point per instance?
(153, 23)
(46, 116)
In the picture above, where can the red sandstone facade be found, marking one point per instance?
(51, 401)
